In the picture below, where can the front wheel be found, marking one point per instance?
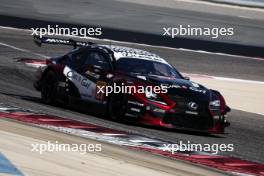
(48, 88)
(117, 106)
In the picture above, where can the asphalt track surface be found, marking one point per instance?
(144, 23)
(246, 132)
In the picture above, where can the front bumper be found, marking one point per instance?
(179, 119)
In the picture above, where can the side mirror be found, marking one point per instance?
(97, 69)
(186, 78)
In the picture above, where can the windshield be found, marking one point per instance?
(146, 67)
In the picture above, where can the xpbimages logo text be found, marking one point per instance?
(130, 89)
(188, 30)
(195, 147)
(65, 31)
(60, 147)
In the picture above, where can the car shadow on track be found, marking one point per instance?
(182, 131)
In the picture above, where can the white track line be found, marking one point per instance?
(238, 80)
(22, 50)
(140, 44)
(35, 65)
(225, 78)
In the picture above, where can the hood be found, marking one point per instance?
(180, 87)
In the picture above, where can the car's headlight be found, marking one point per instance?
(214, 105)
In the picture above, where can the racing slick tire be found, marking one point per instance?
(49, 87)
(117, 107)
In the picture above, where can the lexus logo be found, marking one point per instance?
(193, 106)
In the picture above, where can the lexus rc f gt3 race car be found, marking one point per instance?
(73, 79)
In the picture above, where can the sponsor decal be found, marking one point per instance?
(135, 109)
(191, 112)
(197, 90)
(72, 75)
(135, 103)
(193, 106)
(168, 86)
(140, 54)
(85, 86)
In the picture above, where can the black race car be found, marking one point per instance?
(87, 76)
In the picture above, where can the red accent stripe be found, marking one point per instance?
(43, 119)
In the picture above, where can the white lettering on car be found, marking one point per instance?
(85, 86)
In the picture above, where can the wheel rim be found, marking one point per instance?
(117, 107)
(47, 92)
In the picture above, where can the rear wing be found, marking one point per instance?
(57, 41)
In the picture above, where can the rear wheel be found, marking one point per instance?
(49, 87)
